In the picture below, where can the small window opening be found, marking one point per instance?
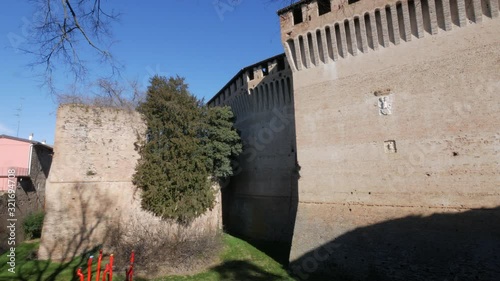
(352, 1)
(281, 63)
(265, 71)
(324, 7)
(250, 74)
(297, 15)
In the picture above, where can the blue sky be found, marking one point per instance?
(192, 38)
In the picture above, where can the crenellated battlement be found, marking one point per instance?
(258, 87)
(316, 32)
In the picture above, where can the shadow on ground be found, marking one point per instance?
(460, 246)
(242, 271)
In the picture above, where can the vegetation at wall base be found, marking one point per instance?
(186, 144)
(239, 261)
(32, 225)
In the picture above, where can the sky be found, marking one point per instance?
(205, 42)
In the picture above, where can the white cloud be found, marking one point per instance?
(5, 130)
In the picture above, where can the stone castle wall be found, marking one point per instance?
(260, 199)
(396, 110)
(89, 192)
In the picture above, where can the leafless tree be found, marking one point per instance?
(71, 35)
(62, 33)
(123, 94)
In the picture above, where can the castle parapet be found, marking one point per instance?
(319, 32)
(258, 87)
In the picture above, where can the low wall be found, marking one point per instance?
(27, 201)
(89, 192)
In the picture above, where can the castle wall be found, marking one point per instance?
(397, 122)
(259, 201)
(28, 201)
(89, 192)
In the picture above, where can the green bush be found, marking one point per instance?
(186, 144)
(32, 225)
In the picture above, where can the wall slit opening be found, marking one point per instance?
(291, 47)
(256, 98)
(469, 8)
(401, 20)
(413, 18)
(268, 96)
(357, 29)
(390, 26)
(319, 41)
(283, 90)
(272, 102)
(302, 51)
(348, 37)
(278, 92)
(329, 43)
(250, 92)
(455, 19)
(310, 44)
(380, 32)
(485, 6)
(369, 34)
(440, 14)
(426, 15)
(289, 84)
(339, 40)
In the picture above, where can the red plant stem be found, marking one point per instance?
(111, 259)
(105, 273)
(98, 273)
(80, 274)
(130, 272)
(89, 269)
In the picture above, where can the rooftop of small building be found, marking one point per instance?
(26, 140)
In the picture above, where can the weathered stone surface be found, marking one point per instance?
(428, 163)
(89, 191)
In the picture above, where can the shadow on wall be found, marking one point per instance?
(44, 162)
(462, 246)
(270, 215)
(259, 201)
(74, 250)
(27, 202)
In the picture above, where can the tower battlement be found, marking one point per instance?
(258, 87)
(319, 32)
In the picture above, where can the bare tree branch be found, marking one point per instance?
(57, 37)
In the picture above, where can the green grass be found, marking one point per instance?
(239, 261)
(28, 268)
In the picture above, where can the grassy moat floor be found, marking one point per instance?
(238, 261)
